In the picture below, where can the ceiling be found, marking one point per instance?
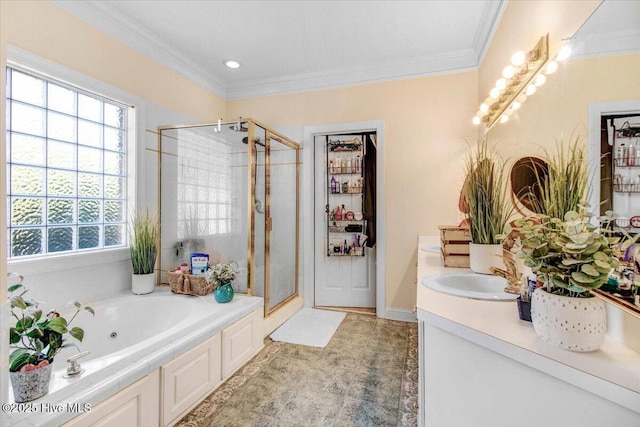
(297, 45)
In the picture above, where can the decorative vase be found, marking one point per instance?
(223, 293)
(482, 257)
(143, 283)
(30, 385)
(576, 324)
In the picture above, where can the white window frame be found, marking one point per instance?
(23, 60)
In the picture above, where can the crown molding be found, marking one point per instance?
(614, 43)
(491, 16)
(452, 62)
(119, 26)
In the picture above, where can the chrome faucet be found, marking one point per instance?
(74, 369)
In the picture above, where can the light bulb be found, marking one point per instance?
(518, 58)
(515, 105)
(484, 107)
(501, 83)
(504, 118)
(508, 72)
(232, 63)
(552, 66)
(540, 79)
(531, 89)
(476, 120)
(494, 93)
(564, 53)
(521, 98)
(508, 112)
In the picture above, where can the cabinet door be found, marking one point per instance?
(135, 406)
(186, 379)
(241, 341)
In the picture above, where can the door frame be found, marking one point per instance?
(308, 217)
(596, 110)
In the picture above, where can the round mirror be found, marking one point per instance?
(527, 173)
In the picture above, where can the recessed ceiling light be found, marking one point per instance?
(231, 63)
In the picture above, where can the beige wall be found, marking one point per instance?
(426, 123)
(48, 31)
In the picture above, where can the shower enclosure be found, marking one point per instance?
(231, 190)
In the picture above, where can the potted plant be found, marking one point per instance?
(223, 275)
(564, 187)
(486, 206)
(570, 257)
(143, 247)
(34, 341)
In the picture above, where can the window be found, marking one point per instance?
(66, 168)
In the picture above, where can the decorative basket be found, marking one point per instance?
(189, 284)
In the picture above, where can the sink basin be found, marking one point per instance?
(469, 285)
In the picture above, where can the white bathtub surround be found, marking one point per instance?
(143, 283)
(118, 360)
(468, 345)
(482, 257)
(576, 324)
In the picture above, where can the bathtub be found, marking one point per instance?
(129, 337)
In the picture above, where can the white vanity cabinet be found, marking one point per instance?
(135, 406)
(241, 341)
(480, 366)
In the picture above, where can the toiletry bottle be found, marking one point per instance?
(623, 158)
(338, 215)
(618, 158)
(349, 165)
(343, 212)
(338, 186)
(631, 155)
(338, 165)
(331, 167)
(358, 165)
(333, 185)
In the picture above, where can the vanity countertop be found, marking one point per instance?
(495, 325)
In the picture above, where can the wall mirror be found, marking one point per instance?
(560, 109)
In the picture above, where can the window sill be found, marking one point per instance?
(51, 263)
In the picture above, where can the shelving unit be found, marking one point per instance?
(345, 180)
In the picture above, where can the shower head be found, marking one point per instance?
(239, 127)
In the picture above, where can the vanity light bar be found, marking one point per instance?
(519, 80)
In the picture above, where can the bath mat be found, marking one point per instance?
(309, 326)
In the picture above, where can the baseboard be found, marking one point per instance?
(402, 314)
(281, 315)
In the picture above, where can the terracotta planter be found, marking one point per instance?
(576, 324)
(143, 283)
(483, 257)
(30, 385)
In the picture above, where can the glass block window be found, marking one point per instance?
(66, 168)
(204, 186)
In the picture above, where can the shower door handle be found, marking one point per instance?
(269, 224)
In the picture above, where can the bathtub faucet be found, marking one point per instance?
(74, 369)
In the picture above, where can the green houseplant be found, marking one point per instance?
(223, 275)
(35, 340)
(569, 255)
(143, 247)
(486, 206)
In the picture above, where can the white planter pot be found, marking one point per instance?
(143, 283)
(483, 257)
(576, 324)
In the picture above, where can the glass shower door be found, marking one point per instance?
(282, 222)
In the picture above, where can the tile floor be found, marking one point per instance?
(366, 376)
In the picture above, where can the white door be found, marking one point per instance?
(340, 281)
